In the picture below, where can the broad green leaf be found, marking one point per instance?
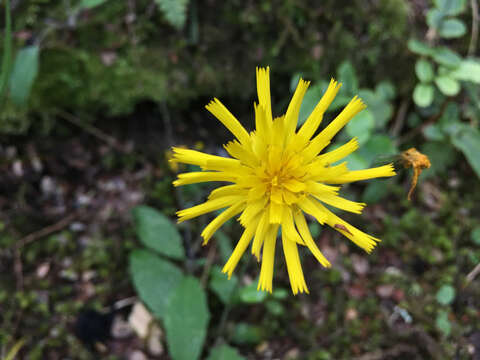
(443, 323)
(294, 81)
(424, 70)
(379, 107)
(377, 144)
(247, 334)
(468, 141)
(355, 161)
(419, 47)
(441, 157)
(446, 295)
(451, 7)
(361, 126)
(447, 85)
(24, 72)
(423, 95)
(447, 57)
(221, 285)
(186, 320)
(90, 4)
(250, 295)
(310, 100)
(348, 77)
(157, 232)
(434, 132)
(154, 278)
(386, 90)
(434, 18)
(6, 51)
(224, 244)
(452, 28)
(375, 191)
(469, 70)
(224, 352)
(475, 235)
(175, 11)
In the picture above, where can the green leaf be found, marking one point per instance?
(434, 18)
(355, 161)
(441, 157)
(361, 126)
(468, 141)
(90, 4)
(443, 323)
(23, 75)
(380, 108)
(434, 132)
(224, 352)
(275, 307)
(447, 57)
(447, 85)
(224, 244)
(375, 191)
(7, 51)
(386, 90)
(445, 295)
(247, 334)
(423, 95)
(475, 235)
(154, 278)
(348, 77)
(310, 100)
(424, 70)
(451, 7)
(186, 320)
(157, 232)
(452, 28)
(221, 285)
(377, 144)
(175, 11)
(419, 47)
(250, 295)
(468, 70)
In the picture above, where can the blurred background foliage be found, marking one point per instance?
(94, 92)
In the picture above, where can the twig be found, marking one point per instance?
(208, 265)
(472, 274)
(412, 133)
(400, 118)
(46, 231)
(92, 130)
(18, 269)
(472, 48)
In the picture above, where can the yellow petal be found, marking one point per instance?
(340, 152)
(226, 118)
(288, 227)
(353, 108)
(356, 175)
(310, 206)
(206, 207)
(276, 213)
(291, 116)
(262, 228)
(239, 249)
(294, 268)
(341, 203)
(268, 258)
(199, 177)
(263, 91)
(313, 121)
(365, 241)
(227, 190)
(215, 224)
(307, 237)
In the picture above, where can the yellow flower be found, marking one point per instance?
(277, 173)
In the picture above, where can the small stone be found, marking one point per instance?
(140, 320)
(121, 329)
(137, 355)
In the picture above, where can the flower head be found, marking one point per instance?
(277, 173)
